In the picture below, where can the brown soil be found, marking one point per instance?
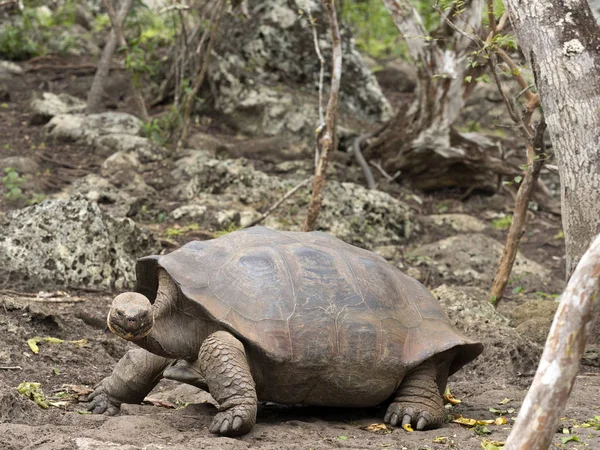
(67, 370)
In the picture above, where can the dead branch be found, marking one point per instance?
(11, 368)
(545, 402)
(199, 79)
(137, 92)
(328, 139)
(383, 172)
(94, 99)
(279, 202)
(361, 160)
(535, 161)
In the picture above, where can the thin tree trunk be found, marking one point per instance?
(420, 142)
(94, 99)
(545, 402)
(327, 138)
(561, 40)
(535, 161)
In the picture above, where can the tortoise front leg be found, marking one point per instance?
(226, 371)
(134, 376)
(418, 400)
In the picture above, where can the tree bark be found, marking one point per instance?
(94, 99)
(561, 40)
(545, 402)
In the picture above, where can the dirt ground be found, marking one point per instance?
(176, 418)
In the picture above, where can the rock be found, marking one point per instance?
(397, 76)
(117, 202)
(191, 211)
(84, 443)
(71, 243)
(4, 93)
(458, 222)
(363, 217)
(184, 394)
(472, 259)
(88, 128)
(506, 353)
(121, 169)
(9, 70)
(260, 73)
(145, 150)
(22, 164)
(50, 105)
(533, 320)
(205, 142)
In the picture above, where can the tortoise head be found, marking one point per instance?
(131, 316)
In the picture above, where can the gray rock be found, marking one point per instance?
(472, 259)
(462, 223)
(113, 200)
(88, 128)
(71, 243)
(50, 105)
(22, 164)
(145, 150)
(368, 218)
(260, 71)
(192, 211)
(507, 354)
(9, 70)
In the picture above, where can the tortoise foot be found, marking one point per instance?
(417, 415)
(102, 403)
(234, 421)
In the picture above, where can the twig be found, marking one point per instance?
(58, 300)
(383, 172)
(276, 205)
(11, 368)
(545, 402)
(328, 140)
(535, 161)
(361, 160)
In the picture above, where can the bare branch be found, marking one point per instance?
(361, 160)
(408, 21)
(383, 172)
(535, 161)
(545, 402)
(327, 141)
(279, 202)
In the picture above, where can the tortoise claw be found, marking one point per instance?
(101, 403)
(234, 421)
(402, 414)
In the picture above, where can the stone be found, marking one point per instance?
(191, 211)
(368, 218)
(506, 353)
(146, 150)
(472, 259)
(50, 105)
(276, 93)
(462, 223)
(71, 243)
(88, 128)
(9, 70)
(22, 164)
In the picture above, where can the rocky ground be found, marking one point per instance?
(84, 196)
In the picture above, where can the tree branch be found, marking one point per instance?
(328, 140)
(545, 402)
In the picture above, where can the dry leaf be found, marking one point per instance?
(408, 428)
(449, 398)
(375, 427)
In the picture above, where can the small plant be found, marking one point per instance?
(12, 182)
(230, 229)
(502, 223)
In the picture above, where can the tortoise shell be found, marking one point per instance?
(310, 297)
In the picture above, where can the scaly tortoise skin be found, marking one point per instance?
(287, 317)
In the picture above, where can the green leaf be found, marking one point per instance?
(468, 79)
(571, 438)
(343, 438)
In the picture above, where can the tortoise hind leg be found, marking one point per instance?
(418, 401)
(227, 373)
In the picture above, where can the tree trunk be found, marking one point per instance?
(420, 142)
(545, 402)
(561, 40)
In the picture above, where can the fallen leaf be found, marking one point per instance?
(449, 398)
(492, 445)
(440, 440)
(34, 392)
(375, 427)
(408, 428)
(505, 401)
(500, 420)
(343, 438)
(78, 389)
(158, 402)
(572, 438)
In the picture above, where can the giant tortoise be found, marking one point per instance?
(286, 317)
